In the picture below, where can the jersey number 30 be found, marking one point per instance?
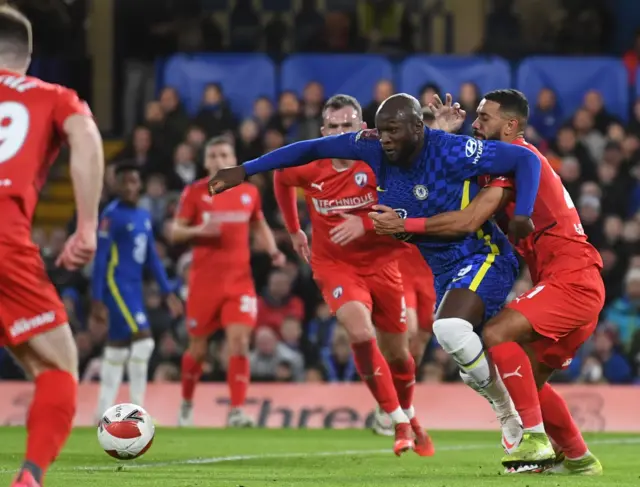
(14, 127)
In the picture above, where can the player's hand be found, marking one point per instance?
(78, 250)
(449, 116)
(301, 245)
(98, 314)
(209, 228)
(174, 303)
(386, 221)
(520, 227)
(278, 259)
(350, 229)
(226, 179)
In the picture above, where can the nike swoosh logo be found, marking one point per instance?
(380, 190)
(507, 444)
(457, 279)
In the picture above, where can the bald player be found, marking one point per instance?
(421, 173)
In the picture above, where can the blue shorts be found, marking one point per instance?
(127, 316)
(490, 276)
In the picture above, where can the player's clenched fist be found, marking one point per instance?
(386, 221)
(226, 178)
(78, 250)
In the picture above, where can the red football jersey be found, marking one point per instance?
(330, 192)
(226, 256)
(559, 242)
(413, 265)
(32, 115)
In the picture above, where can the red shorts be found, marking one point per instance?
(564, 310)
(381, 292)
(210, 309)
(421, 296)
(29, 304)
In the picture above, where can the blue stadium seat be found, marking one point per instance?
(354, 75)
(450, 72)
(243, 78)
(571, 78)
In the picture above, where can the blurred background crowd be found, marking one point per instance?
(595, 151)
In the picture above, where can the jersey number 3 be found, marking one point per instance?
(14, 127)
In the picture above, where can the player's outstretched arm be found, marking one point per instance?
(87, 167)
(345, 146)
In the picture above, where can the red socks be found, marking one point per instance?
(238, 379)
(559, 424)
(404, 381)
(516, 372)
(50, 417)
(191, 372)
(374, 371)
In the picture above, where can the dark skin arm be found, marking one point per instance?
(452, 224)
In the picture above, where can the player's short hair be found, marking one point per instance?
(16, 38)
(126, 166)
(219, 140)
(337, 102)
(511, 101)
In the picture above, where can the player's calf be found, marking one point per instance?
(138, 367)
(238, 337)
(111, 373)
(51, 359)
(191, 370)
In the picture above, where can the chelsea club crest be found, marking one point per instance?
(420, 192)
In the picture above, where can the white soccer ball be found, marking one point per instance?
(126, 431)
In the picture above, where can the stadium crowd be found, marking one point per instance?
(297, 339)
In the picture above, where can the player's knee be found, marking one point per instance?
(52, 350)
(238, 339)
(493, 334)
(141, 350)
(198, 348)
(452, 333)
(356, 320)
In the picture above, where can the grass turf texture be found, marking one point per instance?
(307, 458)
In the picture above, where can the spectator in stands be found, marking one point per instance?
(567, 144)
(273, 139)
(269, 353)
(589, 209)
(631, 59)
(196, 138)
(615, 189)
(571, 172)
(587, 134)
(185, 170)
(215, 115)
(594, 104)
(287, 120)
(262, 112)
(311, 116)
(469, 99)
(547, 116)
(624, 312)
(139, 149)
(427, 92)
(249, 143)
(155, 200)
(336, 359)
(383, 90)
(176, 120)
(276, 302)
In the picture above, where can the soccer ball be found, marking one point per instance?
(126, 431)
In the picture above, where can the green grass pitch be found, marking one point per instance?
(307, 458)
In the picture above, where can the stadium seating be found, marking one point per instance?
(245, 77)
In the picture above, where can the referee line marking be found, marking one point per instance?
(240, 458)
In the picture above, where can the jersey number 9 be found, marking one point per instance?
(14, 127)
